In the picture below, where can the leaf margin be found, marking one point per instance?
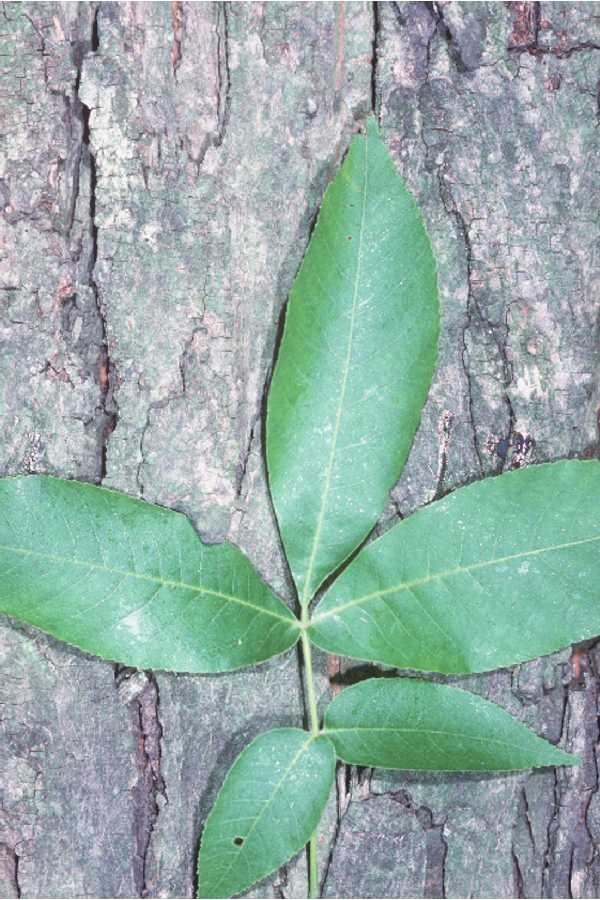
(287, 616)
(569, 758)
(310, 739)
(368, 128)
(329, 646)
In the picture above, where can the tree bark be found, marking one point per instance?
(162, 166)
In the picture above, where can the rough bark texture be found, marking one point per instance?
(162, 164)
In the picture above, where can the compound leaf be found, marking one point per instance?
(406, 723)
(268, 807)
(130, 581)
(494, 574)
(354, 366)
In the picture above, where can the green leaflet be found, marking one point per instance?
(266, 811)
(355, 364)
(406, 723)
(496, 573)
(131, 582)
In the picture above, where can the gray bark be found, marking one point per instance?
(161, 168)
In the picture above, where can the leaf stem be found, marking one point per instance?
(311, 697)
(310, 683)
(313, 872)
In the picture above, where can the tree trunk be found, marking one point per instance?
(162, 166)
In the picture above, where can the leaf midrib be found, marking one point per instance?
(423, 731)
(448, 573)
(155, 579)
(307, 593)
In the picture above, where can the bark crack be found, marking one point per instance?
(171, 398)
(281, 883)
(436, 847)
(107, 414)
(442, 27)
(224, 75)
(475, 318)
(242, 465)
(435, 844)
(444, 432)
(178, 22)
(140, 691)
(525, 37)
(568, 859)
(9, 867)
(462, 229)
(517, 875)
(215, 137)
(343, 790)
(155, 404)
(375, 58)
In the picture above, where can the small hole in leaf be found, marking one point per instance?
(238, 841)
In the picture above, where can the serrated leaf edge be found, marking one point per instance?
(570, 759)
(331, 613)
(371, 126)
(288, 617)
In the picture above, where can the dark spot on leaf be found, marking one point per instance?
(238, 841)
(349, 237)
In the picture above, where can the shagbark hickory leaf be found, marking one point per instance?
(130, 581)
(406, 723)
(269, 805)
(354, 366)
(496, 573)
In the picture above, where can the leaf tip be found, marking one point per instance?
(570, 759)
(558, 757)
